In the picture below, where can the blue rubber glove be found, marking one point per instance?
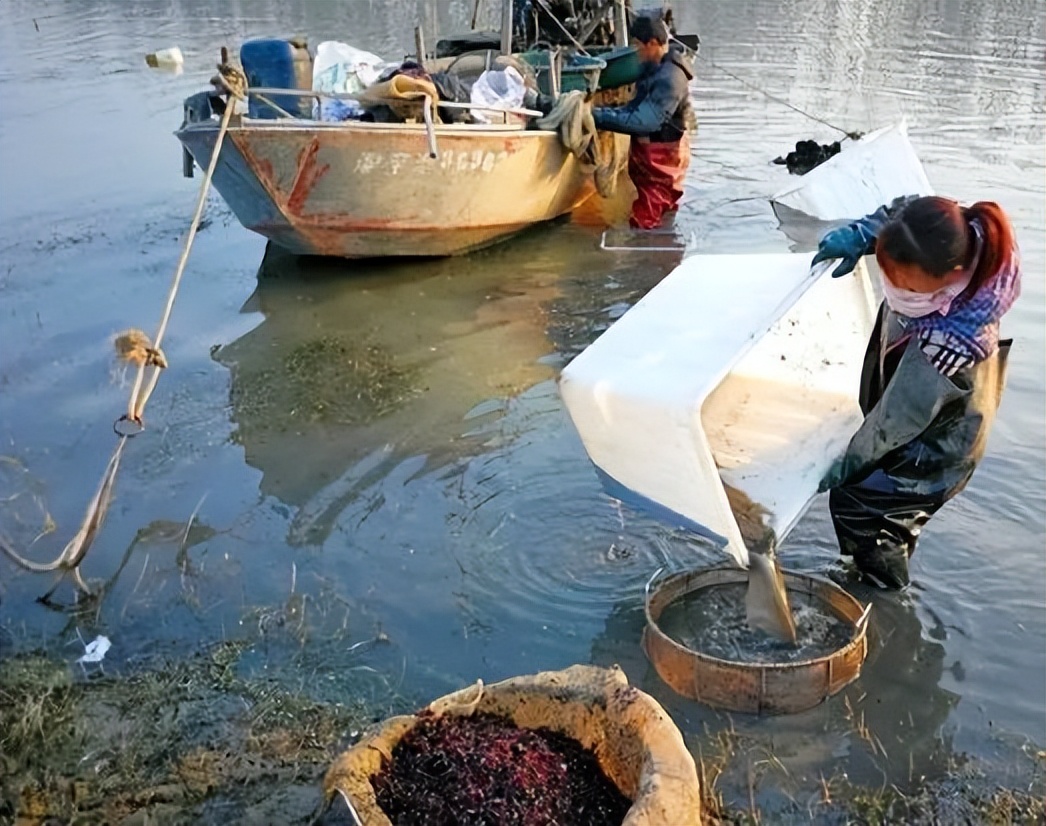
(848, 243)
(854, 240)
(837, 473)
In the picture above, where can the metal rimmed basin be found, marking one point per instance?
(755, 688)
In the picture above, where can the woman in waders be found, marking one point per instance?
(933, 372)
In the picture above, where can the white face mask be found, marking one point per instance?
(917, 305)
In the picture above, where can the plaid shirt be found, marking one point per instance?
(969, 333)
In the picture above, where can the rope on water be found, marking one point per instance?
(68, 561)
(764, 92)
(135, 347)
(782, 101)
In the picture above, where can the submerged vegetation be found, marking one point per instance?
(333, 379)
(968, 792)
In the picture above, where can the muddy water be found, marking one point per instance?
(452, 507)
(715, 623)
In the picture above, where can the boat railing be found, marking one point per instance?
(262, 93)
(265, 94)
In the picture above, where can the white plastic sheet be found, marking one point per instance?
(866, 174)
(498, 89)
(342, 69)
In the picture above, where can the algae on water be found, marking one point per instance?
(333, 379)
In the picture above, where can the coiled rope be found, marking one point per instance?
(572, 118)
(135, 347)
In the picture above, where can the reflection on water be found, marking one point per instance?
(384, 444)
(351, 372)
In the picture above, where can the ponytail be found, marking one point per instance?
(999, 248)
(938, 235)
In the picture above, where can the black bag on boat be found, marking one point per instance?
(460, 44)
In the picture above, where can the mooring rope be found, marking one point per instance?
(135, 347)
(73, 553)
(766, 94)
(235, 83)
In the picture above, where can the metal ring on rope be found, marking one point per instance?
(128, 427)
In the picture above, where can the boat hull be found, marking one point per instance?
(367, 190)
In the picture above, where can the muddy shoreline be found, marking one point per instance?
(179, 742)
(191, 742)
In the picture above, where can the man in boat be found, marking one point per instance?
(657, 118)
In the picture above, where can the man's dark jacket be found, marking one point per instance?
(660, 109)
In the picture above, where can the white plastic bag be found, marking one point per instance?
(498, 89)
(94, 651)
(342, 69)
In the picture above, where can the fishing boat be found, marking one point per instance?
(365, 189)
(360, 189)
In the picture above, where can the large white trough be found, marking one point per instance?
(866, 174)
(736, 370)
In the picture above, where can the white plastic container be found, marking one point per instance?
(737, 370)
(166, 58)
(866, 174)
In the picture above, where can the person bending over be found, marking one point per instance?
(933, 372)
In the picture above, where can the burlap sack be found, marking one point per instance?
(637, 744)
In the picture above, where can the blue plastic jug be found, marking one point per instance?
(278, 64)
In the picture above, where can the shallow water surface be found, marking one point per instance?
(452, 511)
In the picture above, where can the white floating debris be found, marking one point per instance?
(165, 58)
(95, 650)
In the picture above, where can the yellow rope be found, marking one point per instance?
(572, 119)
(135, 347)
(235, 82)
